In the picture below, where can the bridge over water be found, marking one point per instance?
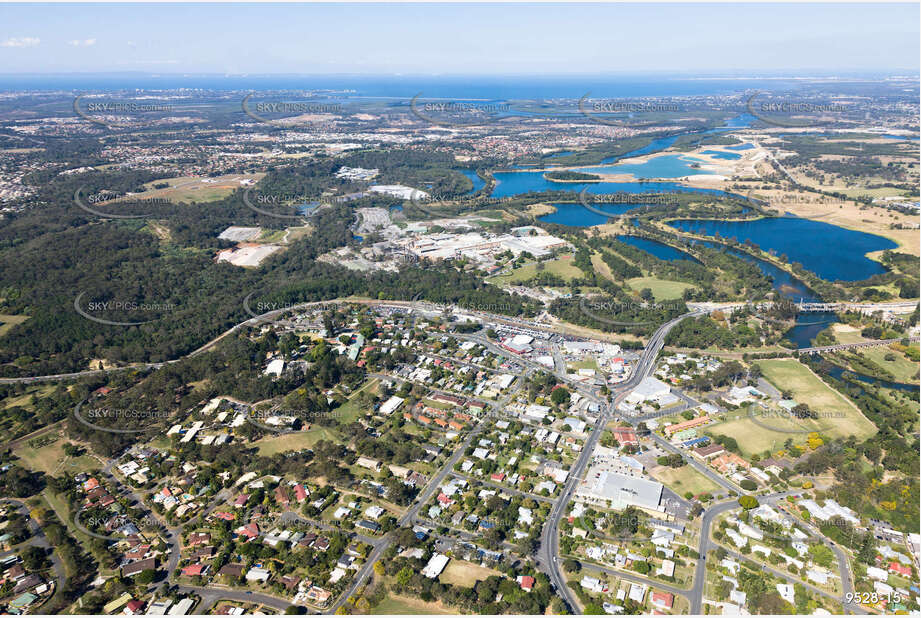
(853, 346)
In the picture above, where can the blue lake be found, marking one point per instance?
(741, 147)
(478, 183)
(658, 249)
(664, 166)
(576, 215)
(808, 325)
(720, 154)
(509, 184)
(654, 146)
(831, 252)
(740, 121)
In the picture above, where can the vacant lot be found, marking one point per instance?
(465, 574)
(683, 479)
(297, 441)
(754, 438)
(396, 604)
(51, 459)
(662, 289)
(351, 410)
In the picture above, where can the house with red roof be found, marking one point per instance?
(193, 570)
(663, 600)
(895, 567)
(625, 435)
(250, 531)
(526, 582)
(300, 494)
(138, 553)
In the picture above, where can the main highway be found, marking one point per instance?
(548, 554)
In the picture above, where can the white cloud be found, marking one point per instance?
(25, 41)
(83, 43)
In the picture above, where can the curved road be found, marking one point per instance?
(707, 545)
(38, 539)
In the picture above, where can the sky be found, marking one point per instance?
(458, 39)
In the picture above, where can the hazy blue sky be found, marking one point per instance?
(453, 39)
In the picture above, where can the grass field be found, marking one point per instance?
(350, 410)
(661, 288)
(346, 413)
(192, 189)
(467, 574)
(903, 368)
(847, 334)
(9, 321)
(395, 604)
(61, 509)
(25, 400)
(561, 267)
(683, 479)
(438, 405)
(295, 441)
(601, 268)
(590, 363)
(838, 418)
(51, 459)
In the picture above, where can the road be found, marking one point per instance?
(548, 555)
(262, 318)
(853, 346)
(212, 594)
(502, 488)
(38, 539)
(700, 571)
(707, 545)
(632, 577)
(411, 514)
(381, 544)
(171, 535)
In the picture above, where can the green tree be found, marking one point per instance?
(748, 502)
